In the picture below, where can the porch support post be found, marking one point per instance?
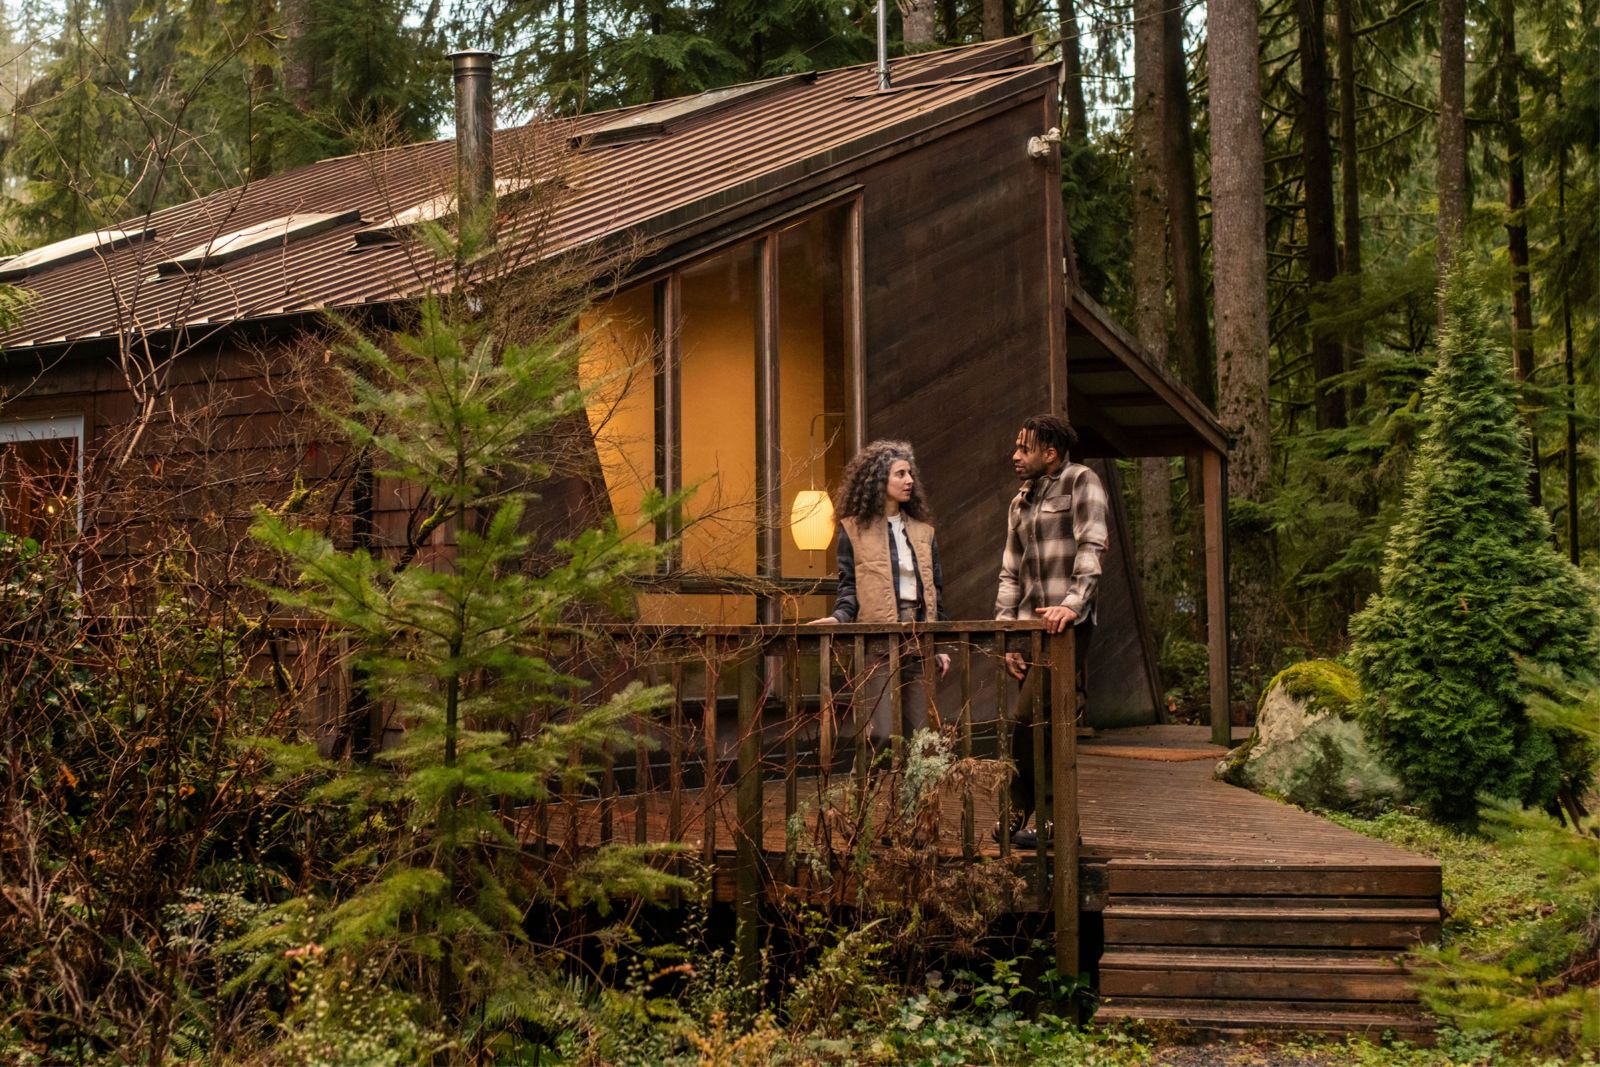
(748, 799)
(1214, 473)
(856, 331)
(1064, 800)
(669, 452)
(769, 478)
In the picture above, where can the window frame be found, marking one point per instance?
(666, 279)
(51, 428)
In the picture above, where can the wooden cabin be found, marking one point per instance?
(826, 263)
(822, 262)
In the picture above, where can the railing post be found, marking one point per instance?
(747, 840)
(1064, 757)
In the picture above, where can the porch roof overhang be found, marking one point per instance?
(1121, 402)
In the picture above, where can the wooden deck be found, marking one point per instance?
(1144, 793)
(1220, 910)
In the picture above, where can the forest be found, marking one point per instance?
(1364, 236)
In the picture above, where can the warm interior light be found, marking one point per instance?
(811, 520)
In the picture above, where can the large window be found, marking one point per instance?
(41, 466)
(731, 375)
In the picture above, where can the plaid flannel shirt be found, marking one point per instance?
(1055, 532)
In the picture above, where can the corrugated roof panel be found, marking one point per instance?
(771, 139)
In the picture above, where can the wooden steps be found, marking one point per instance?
(1229, 948)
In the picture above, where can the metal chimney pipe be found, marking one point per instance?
(474, 71)
(883, 46)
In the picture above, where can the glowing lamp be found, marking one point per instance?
(811, 520)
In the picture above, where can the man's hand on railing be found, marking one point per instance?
(1016, 666)
(1059, 616)
(826, 620)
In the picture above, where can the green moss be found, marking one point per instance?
(1324, 685)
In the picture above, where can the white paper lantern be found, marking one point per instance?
(811, 520)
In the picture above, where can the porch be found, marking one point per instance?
(1190, 899)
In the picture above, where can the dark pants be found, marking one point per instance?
(1024, 791)
(872, 699)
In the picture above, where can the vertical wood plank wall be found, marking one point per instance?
(957, 329)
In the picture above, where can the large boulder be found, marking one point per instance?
(1308, 747)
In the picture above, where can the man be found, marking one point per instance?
(1055, 533)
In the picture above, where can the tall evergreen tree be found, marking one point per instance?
(1470, 583)
(1239, 252)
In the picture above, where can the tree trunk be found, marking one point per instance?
(299, 55)
(1452, 130)
(994, 19)
(1239, 254)
(1566, 334)
(917, 22)
(1191, 335)
(1350, 184)
(1150, 286)
(1322, 251)
(1149, 197)
(1517, 228)
(1072, 64)
(580, 51)
(1191, 322)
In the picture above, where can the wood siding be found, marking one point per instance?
(957, 324)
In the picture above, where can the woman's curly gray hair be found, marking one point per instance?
(866, 480)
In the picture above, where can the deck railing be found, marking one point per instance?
(806, 727)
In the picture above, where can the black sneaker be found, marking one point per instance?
(1019, 819)
(1029, 838)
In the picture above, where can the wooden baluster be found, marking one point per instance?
(572, 797)
(927, 648)
(573, 802)
(1064, 756)
(1003, 696)
(964, 727)
(747, 840)
(708, 796)
(608, 793)
(791, 754)
(861, 714)
(675, 769)
(897, 753)
(827, 720)
(641, 770)
(1038, 676)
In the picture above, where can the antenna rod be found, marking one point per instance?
(883, 46)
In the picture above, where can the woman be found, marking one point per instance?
(888, 570)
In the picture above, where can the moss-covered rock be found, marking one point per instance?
(1308, 747)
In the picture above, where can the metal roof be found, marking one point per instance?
(803, 133)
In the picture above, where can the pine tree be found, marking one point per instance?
(458, 645)
(1470, 581)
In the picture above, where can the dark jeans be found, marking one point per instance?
(1023, 788)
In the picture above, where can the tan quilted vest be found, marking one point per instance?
(875, 580)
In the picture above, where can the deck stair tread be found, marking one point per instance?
(1163, 959)
(1230, 948)
(1244, 911)
(1213, 1017)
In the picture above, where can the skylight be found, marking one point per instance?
(278, 231)
(435, 207)
(72, 248)
(660, 120)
